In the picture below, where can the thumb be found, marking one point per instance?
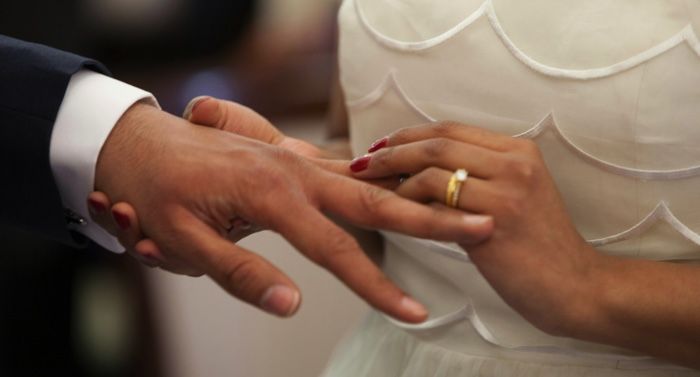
(231, 117)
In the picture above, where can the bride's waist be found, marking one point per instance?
(467, 315)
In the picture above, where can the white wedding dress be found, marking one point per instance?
(609, 89)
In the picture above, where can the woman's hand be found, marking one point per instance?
(535, 259)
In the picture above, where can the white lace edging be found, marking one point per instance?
(687, 35)
(391, 81)
(548, 122)
(661, 213)
(468, 313)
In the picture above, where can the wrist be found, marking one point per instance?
(588, 309)
(124, 144)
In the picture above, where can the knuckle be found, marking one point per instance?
(403, 135)
(262, 176)
(240, 277)
(526, 171)
(284, 156)
(383, 158)
(400, 136)
(522, 169)
(374, 199)
(432, 173)
(427, 179)
(339, 247)
(436, 148)
(445, 128)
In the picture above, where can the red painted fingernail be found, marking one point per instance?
(360, 164)
(122, 220)
(379, 144)
(95, 206)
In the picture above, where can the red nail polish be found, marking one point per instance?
(122, 220)
(379, 144)
(95, 206)
(360, 164)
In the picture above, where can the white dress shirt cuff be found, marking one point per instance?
(92, 106)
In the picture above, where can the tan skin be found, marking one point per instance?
(189, 182)
(572, 290)
(647, 306)
(188, 224)
(230, 117)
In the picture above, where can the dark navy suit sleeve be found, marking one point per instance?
(33, 81)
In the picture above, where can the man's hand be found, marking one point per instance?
(121, 220)
(188, 183)
(238, 119)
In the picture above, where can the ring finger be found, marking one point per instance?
(430, 185)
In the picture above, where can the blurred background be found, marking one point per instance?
(91, 313)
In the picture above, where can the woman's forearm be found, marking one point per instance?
(651, 307)
(536, 259)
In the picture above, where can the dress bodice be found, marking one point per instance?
(610, 91)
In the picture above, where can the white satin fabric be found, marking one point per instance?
(610, 91)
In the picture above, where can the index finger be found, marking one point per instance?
(342, 167)
(452, 130)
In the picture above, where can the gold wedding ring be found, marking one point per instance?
(454, 187)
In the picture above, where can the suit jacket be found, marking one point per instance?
(33, 81)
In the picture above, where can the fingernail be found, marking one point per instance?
(122, 220)
(280, 300)
(187, 114)
(95, 206)
(379, 144)
(476, 219)
(414, 307)
(361, 163)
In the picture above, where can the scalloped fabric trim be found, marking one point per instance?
(468, 313)
(687, 35)
(548, 122)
